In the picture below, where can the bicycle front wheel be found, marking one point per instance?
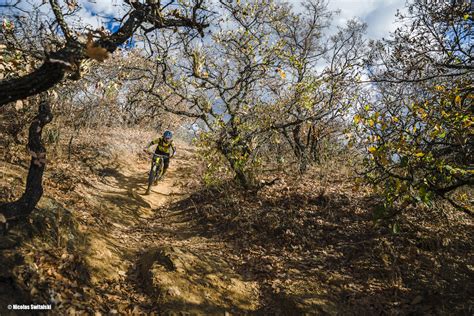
(151, 175)
(159, 169)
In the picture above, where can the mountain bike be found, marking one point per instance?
(156, 170)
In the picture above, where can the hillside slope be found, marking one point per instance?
(96, 244)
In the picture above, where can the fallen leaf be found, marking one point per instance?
(95, 52)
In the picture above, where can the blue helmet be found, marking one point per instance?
(168, 134)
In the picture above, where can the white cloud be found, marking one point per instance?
(99, 12)
(378, 14)
(382, 20)
(102, 7)
(351, 8)
(87, 18)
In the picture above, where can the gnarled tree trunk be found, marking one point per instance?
(73, 53)
(230, 150)
(34, 188)
(46, 77)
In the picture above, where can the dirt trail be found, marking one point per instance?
(158, 255)
(98, 245)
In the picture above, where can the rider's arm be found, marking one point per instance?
(153, 142)
(173, 148)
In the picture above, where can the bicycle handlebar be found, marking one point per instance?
(158, 155)
(162, 156)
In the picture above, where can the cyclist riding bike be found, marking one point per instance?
(165, 147)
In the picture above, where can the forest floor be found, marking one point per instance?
(305, 245)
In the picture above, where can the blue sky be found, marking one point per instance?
(378, 14)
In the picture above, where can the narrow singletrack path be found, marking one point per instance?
(156, 256)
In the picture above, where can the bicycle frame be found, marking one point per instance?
(156, 169)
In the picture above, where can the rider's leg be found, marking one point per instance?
(166, 164)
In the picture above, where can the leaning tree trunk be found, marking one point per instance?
(300, 149)
(44, 78)
(67, 58)
(312, 144)
(74, 52)
(34, 188)
(226, 149)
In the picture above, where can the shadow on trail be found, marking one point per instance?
(311, 250)
(118, 196)
(337, 259)
(135, 182)
(186, 284)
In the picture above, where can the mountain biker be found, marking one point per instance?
(165, 147)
